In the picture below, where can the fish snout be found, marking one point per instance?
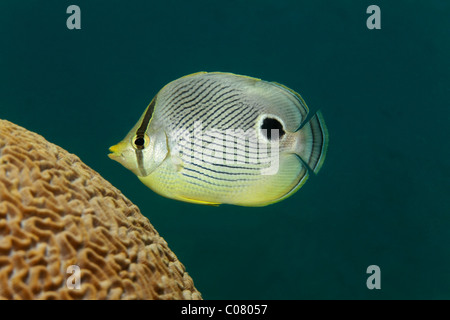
(117, 150)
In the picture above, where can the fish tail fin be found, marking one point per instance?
(312, 142)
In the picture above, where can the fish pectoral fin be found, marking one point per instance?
(177, 163)
(215, 204)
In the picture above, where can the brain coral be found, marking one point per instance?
(56, 212)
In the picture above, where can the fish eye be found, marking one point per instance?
(270, 124)
(140, 142)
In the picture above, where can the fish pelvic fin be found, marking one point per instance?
(185, 199)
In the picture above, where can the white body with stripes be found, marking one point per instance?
(213, 138)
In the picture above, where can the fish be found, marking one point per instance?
(216, 138)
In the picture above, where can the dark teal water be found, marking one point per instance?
(382, 196)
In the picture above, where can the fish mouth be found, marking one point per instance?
(114, 156)
(116, 151)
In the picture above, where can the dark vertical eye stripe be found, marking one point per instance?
(148, 115)
(140, 160)
(140, 132)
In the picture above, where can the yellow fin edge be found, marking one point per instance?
(215, 204)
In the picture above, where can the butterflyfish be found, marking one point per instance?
(221, 138)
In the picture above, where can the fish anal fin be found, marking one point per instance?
(272, 188)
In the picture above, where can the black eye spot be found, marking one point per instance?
(270, 124)
(139, 142)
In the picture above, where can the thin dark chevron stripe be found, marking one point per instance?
(242, 149)
(223, 114)
(197, 184)
(184, 107)
(221, 172)
(180, 89)
(208, 182)
(212, 110)
(176, 117)
(239, 143)
(236, 147)
(214, 97)
(191, 89)
(200, 114)
(248, 122)
(235, 116)
(216, 177)
(176, 93)
(204, 186)
(184, 104)
(215, 100)
(245, 153)
(237, 166)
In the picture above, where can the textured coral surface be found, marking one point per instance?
(55, 212)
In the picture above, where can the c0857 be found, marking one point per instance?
(245, 308)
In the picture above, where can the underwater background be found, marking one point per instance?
(382, 197)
